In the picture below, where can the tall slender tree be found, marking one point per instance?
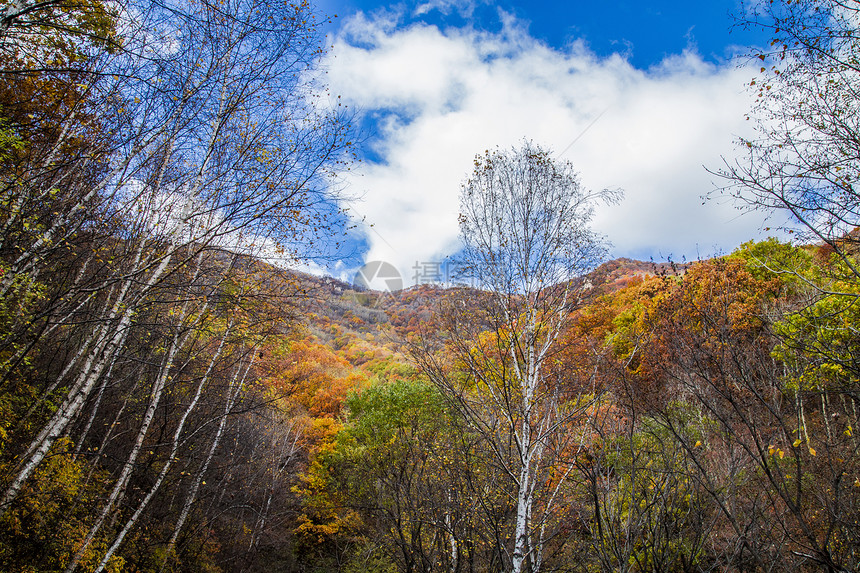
(524, 224)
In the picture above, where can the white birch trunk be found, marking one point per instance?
(98, 359)
(130, 523)
(125, 475)
(195, 487)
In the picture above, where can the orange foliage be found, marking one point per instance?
(312, 376)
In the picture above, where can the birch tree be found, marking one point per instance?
(524, 225)
(137, 187)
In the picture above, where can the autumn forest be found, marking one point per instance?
(174, 396)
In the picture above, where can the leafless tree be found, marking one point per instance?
(524, 225)
(803, 165)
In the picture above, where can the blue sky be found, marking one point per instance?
(641, 96)
(645, 31)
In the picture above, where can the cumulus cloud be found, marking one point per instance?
(440, 97)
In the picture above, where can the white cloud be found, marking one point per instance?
(464, 7)
(447, 95)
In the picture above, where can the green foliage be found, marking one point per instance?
(377, 413)
(819, 343)
(390, 369)
(10, 141)
(771, 258)
(654, 517)
(387, 425)
(366, 557)
(393, 465)
(816, 337)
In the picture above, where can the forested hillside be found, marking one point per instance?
(174, 398)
